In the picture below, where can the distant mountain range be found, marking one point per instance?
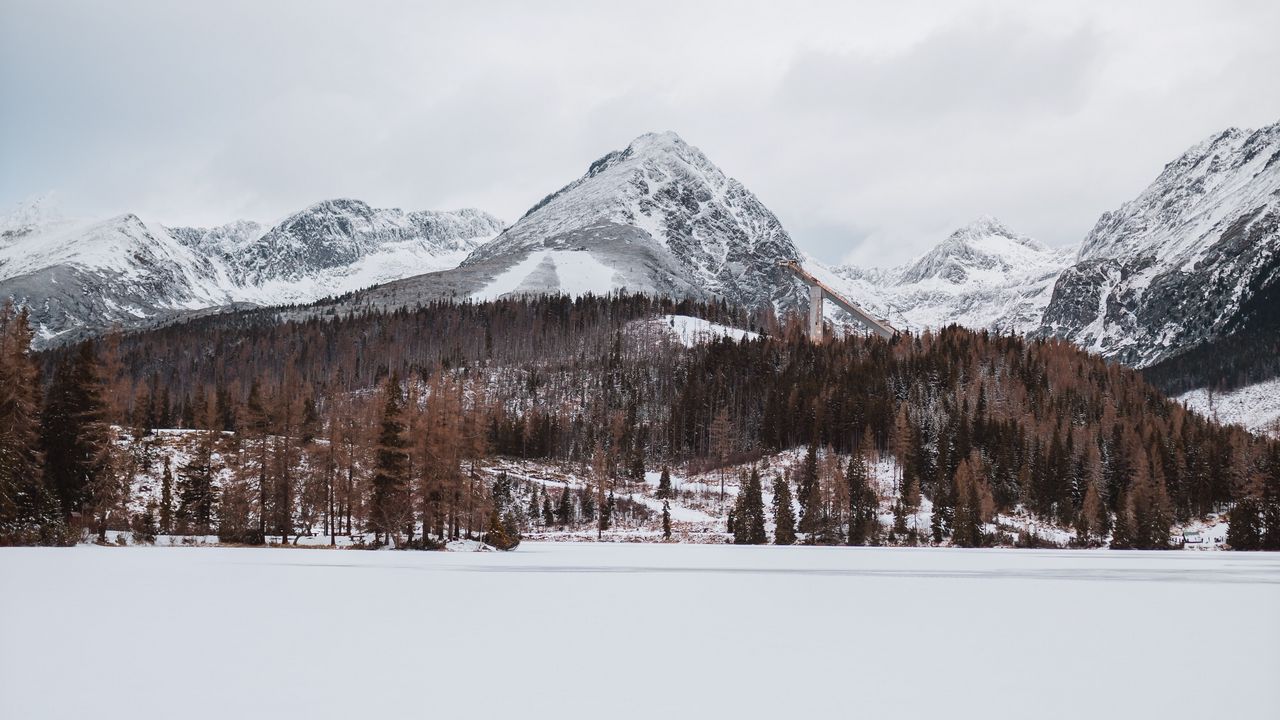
(1185, 265)
(77, 275)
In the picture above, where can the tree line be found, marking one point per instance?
(383, 421)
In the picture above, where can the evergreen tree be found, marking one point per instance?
(666, 520)
(863, 504)
(73, 432)
(810, 493)
(196, 491)
(606, 513)
(166, 498)
(784, 519)
(548, 515)
(564, 509)
(635, 468)
(587, 505)
(535, 508)
(502, 531)
(749, 527)
(391, 466)
(664, 484)
(1245, 530)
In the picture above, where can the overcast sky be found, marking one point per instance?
(871, 129)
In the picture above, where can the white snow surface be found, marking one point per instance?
(691, 331)
(569, 630)
(566, 272)
(1255, 407)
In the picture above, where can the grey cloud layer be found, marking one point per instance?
(871, 129)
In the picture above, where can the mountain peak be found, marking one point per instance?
(697, 224)
(982, 245)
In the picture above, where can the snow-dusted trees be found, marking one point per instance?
(1027, 426)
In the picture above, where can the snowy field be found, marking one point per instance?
(567, 630)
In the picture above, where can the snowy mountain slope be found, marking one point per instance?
(1255, 407)
(75, 274)
(79, 276)
(1171, 268)
(981, 276)
(663, 218)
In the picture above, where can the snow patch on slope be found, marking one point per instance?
(1255, 407)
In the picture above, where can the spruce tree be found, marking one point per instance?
(391, 465)
(548, 515)
(666, 520)
(73, 432)
(751, 516)
(606, 513)
(564, 509)
(784, 519)
(1245, 529)
(664, 484)
(166, 498)
(863, 503)
(810, 493)
(196, 491)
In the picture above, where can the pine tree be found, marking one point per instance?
(664, 484)
(502, 531)
(76, 442)
(749, 528)
(810, 493)
(166, 498)
(784, 519)
(635, 469)
(391, 466)
(1245, 529)
(548, 515)
(863, 503)
(666, 520)
(535, 508)
(196, 491)
(564, 509)
(606, 513)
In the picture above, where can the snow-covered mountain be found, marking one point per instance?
(983, 275)
(656, 217)
(81, 276)
(1172, 268)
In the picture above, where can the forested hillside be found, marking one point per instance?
(385, 422)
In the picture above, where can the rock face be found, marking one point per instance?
(1172, 268)
(983, 275)
(82, 276)
(658, 217)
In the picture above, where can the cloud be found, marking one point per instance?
(872, 129)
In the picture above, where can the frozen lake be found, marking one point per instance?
(637, 631)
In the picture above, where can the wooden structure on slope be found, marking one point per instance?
(819, 292)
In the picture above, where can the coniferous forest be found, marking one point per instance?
(383, 423)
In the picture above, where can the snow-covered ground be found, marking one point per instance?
(691, 331)
(1256, 407)
(566, 630)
